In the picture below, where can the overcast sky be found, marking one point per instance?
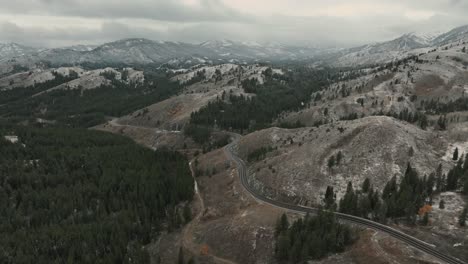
(52, 23)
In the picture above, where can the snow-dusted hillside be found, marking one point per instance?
(440, 75)
(84, 79)
(144, 51)
(225, 71)
(11, 50)
(396, 49)
(454, 35)
(254, 50)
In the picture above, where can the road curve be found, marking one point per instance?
(419, 244)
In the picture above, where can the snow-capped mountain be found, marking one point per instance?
(141, 51)
(380, 52)
(11, 50)
(383, 52)
(144, 51)
(454, 35)
(254, 50)
(81, 47)
(126, 51)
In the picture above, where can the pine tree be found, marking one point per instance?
(425, 220)
(282, 246)
(411, 152)
(430, 184)
(462, 218)
(440, 187)
(187, 213)
(455, 154)
(282, 224)
(339, 157)
(366, 185)
(423, 122)
(181, 256)
(329, 198)
(348, 204)
(331, 161)
(442, 204)
(442, 123)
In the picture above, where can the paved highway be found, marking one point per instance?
(419, 244)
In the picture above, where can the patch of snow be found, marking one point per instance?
(12, 139)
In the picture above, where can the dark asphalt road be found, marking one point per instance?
(421, 245)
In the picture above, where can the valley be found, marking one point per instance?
(224, 151)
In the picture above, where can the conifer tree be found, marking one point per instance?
(282, 224)
(462, 218)
(366, 185)
(331, 161)
(329, 199)
(455, 154)
(425, 220)
(181, 256)
(442, 204)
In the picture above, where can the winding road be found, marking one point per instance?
(419, 244)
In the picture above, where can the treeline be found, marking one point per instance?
(204, 136)
(250, 85)
(86, 108)
(436, 107)
(287, 125)
(279, 93)
(417, 118)
(7, 96)
(199, 134)
(457, 177)
(311, 237)
(79, 196)
(408, 198)
(259, 154)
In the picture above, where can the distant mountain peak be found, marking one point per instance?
(11, 49)
(454, 35)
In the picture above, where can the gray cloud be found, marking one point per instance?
(200, 20)
(206, 10)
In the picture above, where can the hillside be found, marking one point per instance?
(202, 85)
(393, 50)
(297, 167)
(79, 78)
(12, 50)
(411, 84)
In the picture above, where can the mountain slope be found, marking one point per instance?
(382, 52)
(179, 54)
(11, 50)
(144, 51)
(297, 169)
(454, 35)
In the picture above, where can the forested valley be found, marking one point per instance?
(81, 196)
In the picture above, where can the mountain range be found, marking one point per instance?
(144, 51)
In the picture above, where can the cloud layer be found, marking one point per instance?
(54, 23)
